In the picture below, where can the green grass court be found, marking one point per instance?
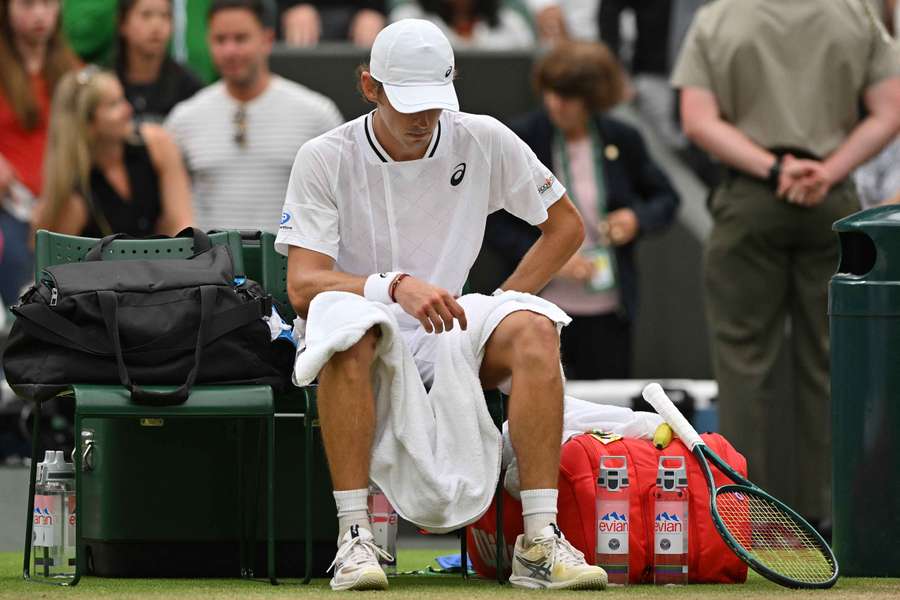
(433, 587)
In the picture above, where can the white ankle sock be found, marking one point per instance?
(352, 507)
(539, 510)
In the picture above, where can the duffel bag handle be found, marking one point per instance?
(201, 242)
(109, 306)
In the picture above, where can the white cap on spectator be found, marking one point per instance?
(413, 60)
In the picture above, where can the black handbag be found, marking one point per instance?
(144, 322)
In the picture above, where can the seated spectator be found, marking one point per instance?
(91, 27)
(33, 57)
(307, 22)
(619, 191)
(153, 82)
(239, 136)
(481, 24)
(102, 174)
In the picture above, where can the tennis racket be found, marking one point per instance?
(764, 532)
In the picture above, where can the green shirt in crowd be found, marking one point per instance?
(90, 26)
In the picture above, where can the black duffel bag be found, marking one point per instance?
(150, 322)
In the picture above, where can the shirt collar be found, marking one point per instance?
(382, 154)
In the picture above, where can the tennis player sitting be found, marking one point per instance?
(402, 193)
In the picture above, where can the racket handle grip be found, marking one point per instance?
(657, 398)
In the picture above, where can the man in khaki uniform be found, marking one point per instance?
(773, 89)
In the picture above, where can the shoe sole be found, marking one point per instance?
(367, 581)
(586, 582)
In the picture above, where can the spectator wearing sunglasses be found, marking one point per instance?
(103, 174)
(239, 135)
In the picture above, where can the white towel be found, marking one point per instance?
(581, 416)
(436, 455)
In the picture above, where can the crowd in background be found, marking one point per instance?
(182, 123)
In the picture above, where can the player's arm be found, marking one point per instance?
(311, 273)
(561, 237)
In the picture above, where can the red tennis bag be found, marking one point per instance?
(709, 559)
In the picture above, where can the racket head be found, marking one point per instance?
(772, 538)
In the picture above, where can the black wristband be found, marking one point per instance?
(775, 173)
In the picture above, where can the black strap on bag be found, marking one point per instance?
(201, 242)
(109, 306)
(41, 322)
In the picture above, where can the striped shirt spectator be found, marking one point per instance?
(238, 137)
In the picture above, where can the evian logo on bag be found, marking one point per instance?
(613, 522)
(668, 523)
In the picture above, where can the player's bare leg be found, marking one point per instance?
(525, 345)
(346, 406)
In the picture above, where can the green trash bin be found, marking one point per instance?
(864, 313)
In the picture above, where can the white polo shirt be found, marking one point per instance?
(346, 198)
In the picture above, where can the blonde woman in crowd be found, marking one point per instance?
(103, 175)
(33, 57)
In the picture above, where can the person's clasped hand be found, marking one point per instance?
(434, 307)
(620, 227)
(577, 268)
(803, 182)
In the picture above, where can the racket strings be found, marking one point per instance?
(773, 537)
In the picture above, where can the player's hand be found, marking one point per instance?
(365, 26)
(577, 268)
(435, 308)
(302, 25)
(7, 176)
(621, 226)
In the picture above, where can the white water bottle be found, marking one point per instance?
(383, 520)
(670, 522)
(613, 507)
(53, 533)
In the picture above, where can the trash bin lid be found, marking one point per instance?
(870, 245)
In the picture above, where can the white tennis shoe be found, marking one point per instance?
(356, 564)
(551, 562)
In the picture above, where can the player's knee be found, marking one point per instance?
(355, 362)
(536, 342)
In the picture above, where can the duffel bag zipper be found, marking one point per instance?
(48, 278)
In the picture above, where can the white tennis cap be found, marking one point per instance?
(413, 60)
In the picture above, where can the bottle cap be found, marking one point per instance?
(672, 473)
(55, 468)
(612, 477)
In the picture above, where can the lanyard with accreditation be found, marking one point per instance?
(601, 255)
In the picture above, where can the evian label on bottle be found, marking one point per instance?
(669, 528)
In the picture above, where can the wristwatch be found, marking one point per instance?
(775, 173)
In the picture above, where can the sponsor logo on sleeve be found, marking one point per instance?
(286, 224)
(548, 183)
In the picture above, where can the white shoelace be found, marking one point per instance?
(561, 550)
(360, 551)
